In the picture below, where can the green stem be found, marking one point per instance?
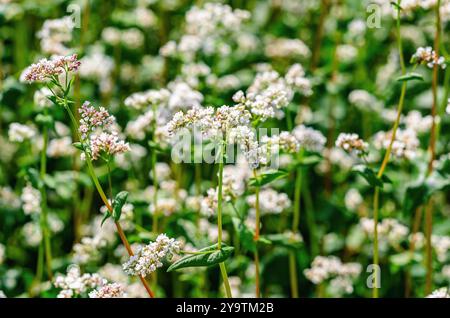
(154, 176)
(295, 225)
(44, 211)
(387, 155)
(293, 274)
(256, 238)
(375, 243)
(102, 194)
(219, 222)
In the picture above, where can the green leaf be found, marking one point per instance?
(410, 77)
(209, 256)
(370, 176)
(105, 217)
(396, 5)
(267, 177)
(119, 201)
(78, 145)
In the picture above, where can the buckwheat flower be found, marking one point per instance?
(353, 199)
(441, 245)
(364, 101)
(426, 55)
(97, 66)
(76, 284)
(91, 119)
(284, 141)
(88, 249)
(166, 205)
(60, 147)
(41, 99)
(163, 171)
(113, 290)
(111, 35)
(346, 53)
(295, 77)
(106, 144)
(208, 204)
(270, 201)
(32, 234)
(20, 133)
(46, 69)
(389, 230)
(351, 143)
(405, 145)
(8, 198)
(54, 33)
(137, 128)
(330, 267)
(415, 121)
(31, 200)
(2, 294)
(309, 138)
(149, 257)
(133, 38)
(440, 293)
(286, 48)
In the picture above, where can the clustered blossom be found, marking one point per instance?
(108, 143)
(113, 290)
(31, 200)
(309, 138)
(364, 101)
(41, 97)
(75, 284)
(389, 230)
(206, 29)
(405, 145)
(353, 199)
(60, 147)
(20, 133)
(426, 55)
(54, 34)
(104, 142)
(46, 69)
(286, 48)
(149, 257)
(99, 67)
(270, 201)
(352, 144)
(341, 275)
(440, 293)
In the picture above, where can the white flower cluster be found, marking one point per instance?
(283, 48)
(353, 199)
(405, 145)
(60, 147)
(206, 29)
(440, 293)
(20, 133)
(364, 101)
(415, 121)
(54, 34)
(149, 257)
(351, 143)
(389, 230)
(113, 290)
(270, 201)
(132, 38)
(341, 275)
(75, 284)
(309, 138)
(40, 98)
(99, 67)
(441, 245)
(31, 200)
(426, 55)
(106, 141)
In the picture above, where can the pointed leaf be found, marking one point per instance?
(209, 256)
(119, 201)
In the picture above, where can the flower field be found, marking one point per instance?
(238, 149)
